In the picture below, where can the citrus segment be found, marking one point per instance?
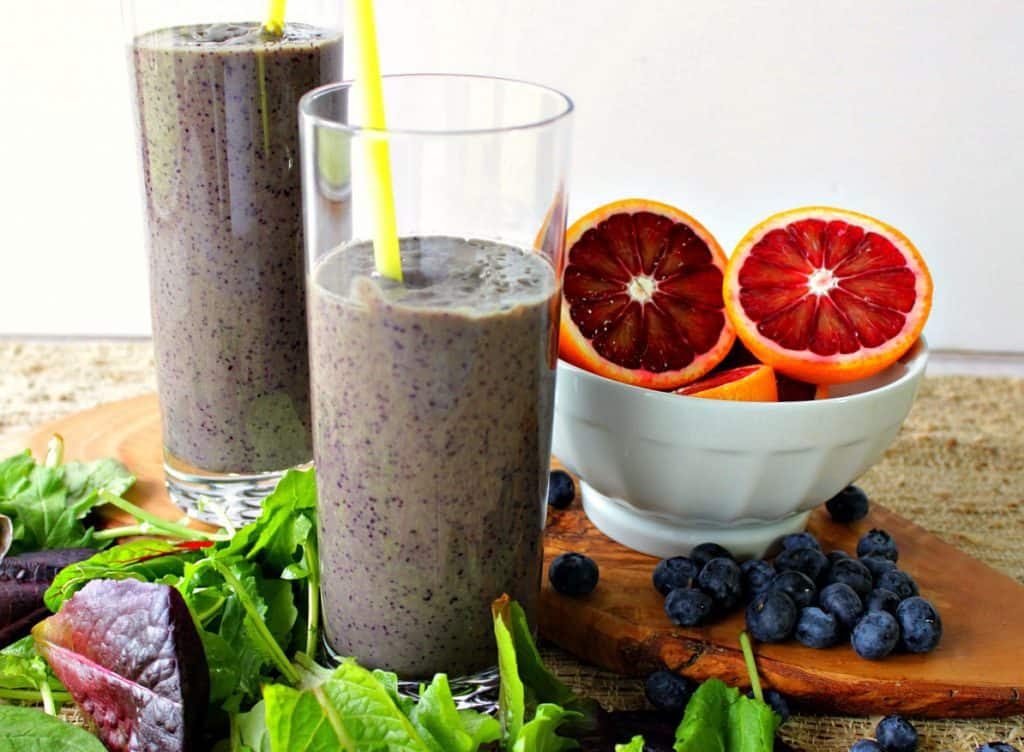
(826, 295)
(642, 297)
(754, 383)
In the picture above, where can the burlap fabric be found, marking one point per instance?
(957, 469)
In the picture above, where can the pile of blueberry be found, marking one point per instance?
(819, 599)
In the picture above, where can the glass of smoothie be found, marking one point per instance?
(432, 396)
(216, 98)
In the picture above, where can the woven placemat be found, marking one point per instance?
(957, 469)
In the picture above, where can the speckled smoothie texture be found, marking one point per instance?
(432, 409)
(217, 116)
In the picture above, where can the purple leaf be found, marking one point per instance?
(130, 655)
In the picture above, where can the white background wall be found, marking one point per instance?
(911, 110)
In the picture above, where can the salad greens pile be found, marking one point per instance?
(253, 595)
(49, 505)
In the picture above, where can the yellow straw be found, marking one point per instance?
(275, 17)
(385, 241)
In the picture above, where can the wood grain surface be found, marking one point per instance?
(978, 670)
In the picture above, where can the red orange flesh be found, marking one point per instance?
(642, 297)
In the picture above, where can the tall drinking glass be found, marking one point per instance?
(432, 397)
(216, 99)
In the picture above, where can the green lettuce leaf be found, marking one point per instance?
(751, 726)
(149, 560)
(704, 724)
(511, 692)
(83, 479)
(349, 712)
(42, 517)
(539, 734)
(443, 727)
(14, 472)
(28, 730)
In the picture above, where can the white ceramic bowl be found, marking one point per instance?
(661, 473)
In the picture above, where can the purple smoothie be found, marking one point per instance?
(432, 412)
(217, 118)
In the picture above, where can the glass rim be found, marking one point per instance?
(309, 98)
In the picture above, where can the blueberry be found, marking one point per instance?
(561, 490)
(776, 701)
(677, 572)
(688, 607)
(877, 543)
(816, 629)
(896, 734)
(866, 745)
(799, 540)
(842, 601)
(668, 691)
(757, 575)
(996, 747)
(881, 599)
(771, 616)
(849, 505)
(834, 556)
(851, 572)
(797, 586)
(898, 582)
(920, 625)
(810, 561)
(720, 578)
(877, 565)
(573, 574)
(875, 635)
(705, 552)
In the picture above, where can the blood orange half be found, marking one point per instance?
(827, 295)
(754, 383)
(643, 296)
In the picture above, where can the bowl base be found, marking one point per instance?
(664, 536)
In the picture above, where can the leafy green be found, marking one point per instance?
(27, 730)
(42, 516)
(83, 479)
(148, 560)
(350, 711)
(49, 504)
(719, 719)
(521, 669)
(751, 726)
(249, 730)
(538, 735)
(703, 728)
(636, 744)
(511, 692)
(14, 472)
(446, 729)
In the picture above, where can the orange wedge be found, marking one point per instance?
(744, 384)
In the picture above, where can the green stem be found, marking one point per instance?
(47, 695)
(158, 524)
(283, 665)
(748, 657)
(55, 451)
(27, 695)
(313, 608)
(113, 533)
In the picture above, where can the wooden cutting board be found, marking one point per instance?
(978, 670)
